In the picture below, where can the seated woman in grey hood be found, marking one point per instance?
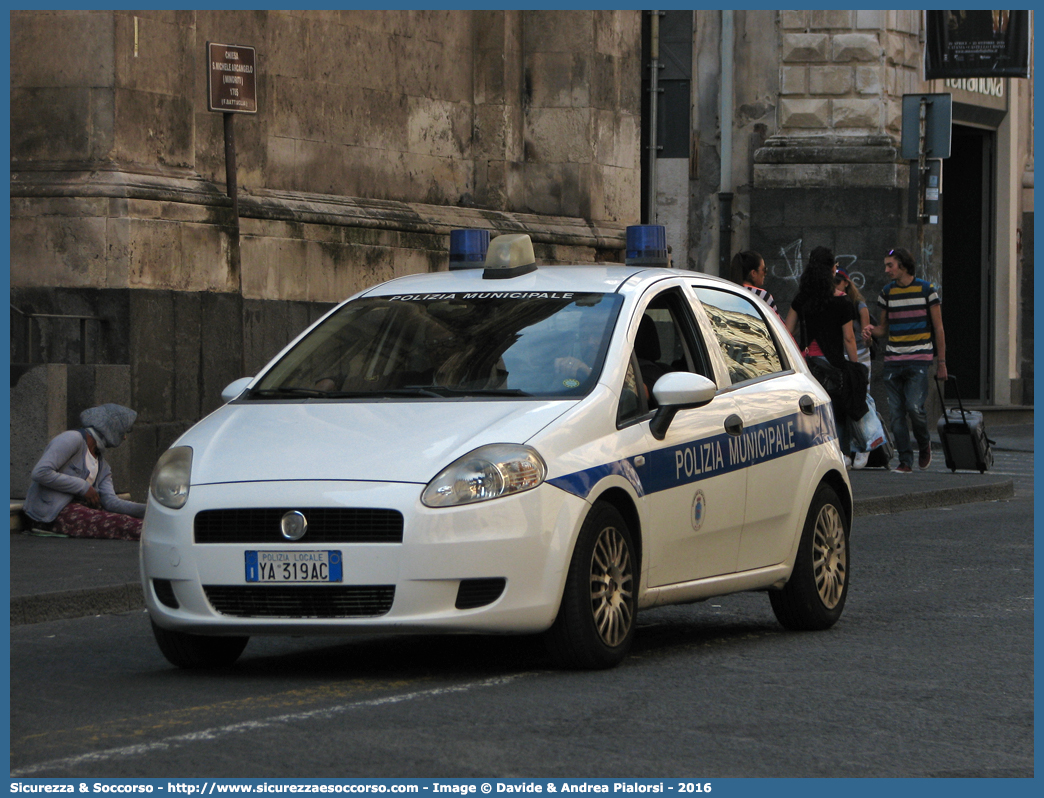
(71, 491)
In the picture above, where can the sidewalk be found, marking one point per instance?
(53, 578)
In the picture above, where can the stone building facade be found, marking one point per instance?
(380, 131)
(815, 160)
(377, 133)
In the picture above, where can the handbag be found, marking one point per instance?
(853, 390)
(829, 376)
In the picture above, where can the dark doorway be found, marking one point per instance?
(967, 211)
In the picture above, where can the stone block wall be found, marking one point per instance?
(844, 72)
(118, 169)
(377, 133)
(581, 113)
(516, 111)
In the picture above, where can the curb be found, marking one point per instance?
(925, 500)
(76, 603)
(124, 598)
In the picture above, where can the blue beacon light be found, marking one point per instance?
(468, 249)
(646, 245)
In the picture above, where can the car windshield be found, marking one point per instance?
(511, 344)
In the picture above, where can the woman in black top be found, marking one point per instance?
(827, 320)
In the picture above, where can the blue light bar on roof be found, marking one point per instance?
(468, 249)
(646, 245)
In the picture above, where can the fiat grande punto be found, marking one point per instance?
(505, 449)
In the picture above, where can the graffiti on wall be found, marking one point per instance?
(929, 269)
(793, 264)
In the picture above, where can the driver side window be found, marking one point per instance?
(666, 341)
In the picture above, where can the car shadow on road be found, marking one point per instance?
(661, 633)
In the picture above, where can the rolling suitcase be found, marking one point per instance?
(963, 436)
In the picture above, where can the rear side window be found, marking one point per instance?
(744, 336)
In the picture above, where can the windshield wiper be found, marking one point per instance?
(286, 392)
(432, 391)
(411, 391)
(384, 393)
(485, 392)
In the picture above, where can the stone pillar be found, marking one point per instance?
(498, 110)
(581, 109)
(35, 422)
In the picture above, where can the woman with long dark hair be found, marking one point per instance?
(748, 270)
(821, 321)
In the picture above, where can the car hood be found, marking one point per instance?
(368, 441)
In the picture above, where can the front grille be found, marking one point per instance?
(301, 601)
(474, 593)
(325, 525)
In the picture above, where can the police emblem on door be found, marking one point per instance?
(699, 510)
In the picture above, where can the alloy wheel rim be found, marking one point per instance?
(830, 556)
(612, 587)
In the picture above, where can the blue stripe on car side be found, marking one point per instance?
(580, 483)
(709, 457)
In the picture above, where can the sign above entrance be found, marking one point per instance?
(977, 44)
(232, 88)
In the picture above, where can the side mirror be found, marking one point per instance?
(235, 388)
(678, 390)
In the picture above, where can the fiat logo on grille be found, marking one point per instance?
(293, 525)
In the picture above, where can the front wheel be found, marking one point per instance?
(197, 651)
(595, 623)
(814, 596)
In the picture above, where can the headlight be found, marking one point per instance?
(486, 473)
(170, 478)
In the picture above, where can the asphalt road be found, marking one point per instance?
(929, 673)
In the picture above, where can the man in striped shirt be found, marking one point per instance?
(911, 320)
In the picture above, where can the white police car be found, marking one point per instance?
(505, 449)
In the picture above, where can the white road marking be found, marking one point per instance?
(252, 725)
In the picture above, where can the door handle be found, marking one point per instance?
(807, 405)
(734, 425)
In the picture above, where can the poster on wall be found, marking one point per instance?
(977, 44)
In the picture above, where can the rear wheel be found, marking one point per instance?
(595, 623)
(815, 594)
(198, 651)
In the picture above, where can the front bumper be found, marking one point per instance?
(525, 540)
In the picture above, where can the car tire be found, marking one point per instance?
(814, 596)
(198, 651)
(595, 623)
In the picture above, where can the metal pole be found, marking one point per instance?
(724, 233)
(728, 38)
(233, 193)
(728, 43)
(922, 167)
(654, 90)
